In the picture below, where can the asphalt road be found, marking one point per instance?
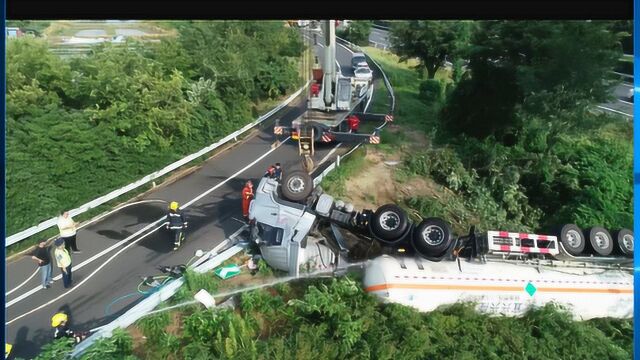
(101, 281)
(620, 105)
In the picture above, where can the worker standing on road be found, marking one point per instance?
(59, 322)
(42, 256)
(354, 123)
(177, 222)
(247, 196)
(68, 231)
(63, 260)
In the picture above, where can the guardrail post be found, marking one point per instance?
(338, 160)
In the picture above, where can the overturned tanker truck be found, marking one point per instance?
(300, 228)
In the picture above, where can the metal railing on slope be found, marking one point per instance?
(17, 237)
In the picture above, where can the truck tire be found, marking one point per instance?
(432, 237)
(623, 240)
(297, 185)
(572, 238)
(599, 240)
(389, 222)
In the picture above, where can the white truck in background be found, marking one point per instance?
(299, 228)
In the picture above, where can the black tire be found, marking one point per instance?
(623, 240)
(572, 238)
(432, 237)
(389, 222)
(297, 185)
(599, 240)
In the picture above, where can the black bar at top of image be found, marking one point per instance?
(347, 9)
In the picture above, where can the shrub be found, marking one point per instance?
(431, 91)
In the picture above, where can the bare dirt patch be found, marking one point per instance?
(376, 183)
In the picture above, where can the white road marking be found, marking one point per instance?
(136, 234)
(83, 225)
(615, 111)
(24, 282)
(625, 102)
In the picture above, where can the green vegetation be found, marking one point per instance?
(337, 319)
(431, 42)
(82, 127)
(357, 32)
(549, 164)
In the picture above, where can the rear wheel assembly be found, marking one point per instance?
(599, 240)
(389, 223)
(572, 238)
(623, 242)
(432, 237)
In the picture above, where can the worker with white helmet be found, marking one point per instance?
(177, 222)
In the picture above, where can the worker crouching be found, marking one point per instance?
(59, 323)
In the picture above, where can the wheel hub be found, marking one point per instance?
(627, 242)
(573, 238)
(389, 220)
(296, 185)
(433, 235)
(602, 240)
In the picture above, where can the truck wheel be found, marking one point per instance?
(623, 240)
(297, 185)
(600, 240)
(432, 237)
(389, 222)
(572, 238)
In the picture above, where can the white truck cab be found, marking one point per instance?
(282, 230)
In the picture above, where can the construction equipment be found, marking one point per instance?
(333, 97)
(299, 228)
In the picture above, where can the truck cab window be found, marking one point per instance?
(270, 235)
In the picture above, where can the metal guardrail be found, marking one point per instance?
(318, 179)
(207, 262)
(116, 193)
(384, 76)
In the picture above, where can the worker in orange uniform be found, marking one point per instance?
(247, 196)
(315, 89)
(354, 123)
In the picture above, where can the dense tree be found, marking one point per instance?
(357, 32)
(543, 66)
(432, 42)
(124, 111)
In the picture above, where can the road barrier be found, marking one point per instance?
(212, 259)
(207, 262)
(318, 179)
(123, 190)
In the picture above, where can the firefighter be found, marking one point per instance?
(59, 322)
(354, 123)
(177, 222)
(247, 196)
